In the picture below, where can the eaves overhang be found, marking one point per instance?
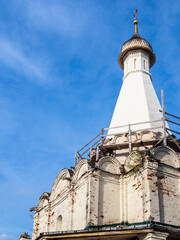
(128, 232)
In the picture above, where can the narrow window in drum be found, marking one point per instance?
(144, 64)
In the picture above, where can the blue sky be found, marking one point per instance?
(59, 82)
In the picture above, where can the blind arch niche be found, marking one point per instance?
(59, 223)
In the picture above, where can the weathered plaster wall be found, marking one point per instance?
(60, 208)
(80, 204)
(41, 217)
(109, 199)
(93, 198)
(134, 199)
(150, 193)
(101, 194)
(168, 187)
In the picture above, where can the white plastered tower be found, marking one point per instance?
(137, 101)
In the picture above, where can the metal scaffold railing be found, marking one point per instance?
(96, 144)
(98, 141)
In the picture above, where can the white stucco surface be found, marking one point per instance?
(137, 101)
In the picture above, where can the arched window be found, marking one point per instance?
(144, 64)
(59, 223)
(126, 67)
(135, 63)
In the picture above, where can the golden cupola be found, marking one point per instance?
(134, 43)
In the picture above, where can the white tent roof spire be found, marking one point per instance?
(137, 101)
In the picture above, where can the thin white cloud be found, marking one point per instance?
(6, 237)
(64, 20)
(13, 57)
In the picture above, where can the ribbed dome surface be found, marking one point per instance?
(136, 42)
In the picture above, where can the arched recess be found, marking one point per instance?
(81, 168)
(110, 164)
(61, 183)
(43, 200)
(59, 223)
(167, 156)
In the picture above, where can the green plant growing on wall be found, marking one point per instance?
(135, 162)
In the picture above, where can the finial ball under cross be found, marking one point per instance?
(135, 14)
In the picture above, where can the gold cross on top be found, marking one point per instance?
(135, 14)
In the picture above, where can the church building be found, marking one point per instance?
(126, 181)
